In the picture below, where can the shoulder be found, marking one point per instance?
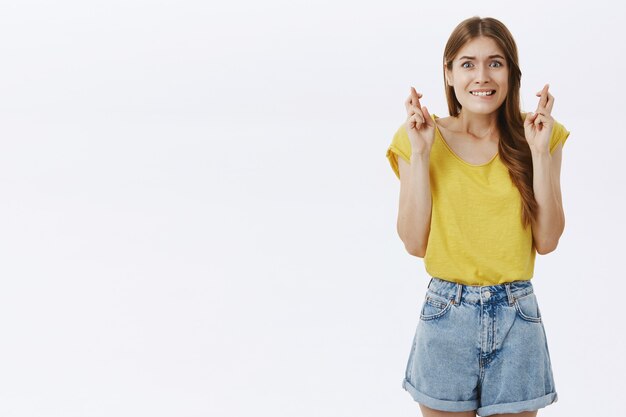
(400, 146)
(443, 121)
(558, 136)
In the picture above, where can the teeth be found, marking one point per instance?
(482, 93)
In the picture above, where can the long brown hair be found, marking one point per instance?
(513, 148)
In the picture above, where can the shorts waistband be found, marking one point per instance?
(480, 294)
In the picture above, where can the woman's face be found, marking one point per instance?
(480, 65)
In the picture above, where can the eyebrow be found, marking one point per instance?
(473, 57)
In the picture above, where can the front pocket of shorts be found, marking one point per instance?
(528, 309)
(433, 308)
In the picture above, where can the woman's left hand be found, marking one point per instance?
(538, 125)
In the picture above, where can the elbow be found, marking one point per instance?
(549, 243)
(546, 247)
(414, 243)
(416, 250)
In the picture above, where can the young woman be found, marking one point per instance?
(479, 196)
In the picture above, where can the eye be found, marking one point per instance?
(499, 64)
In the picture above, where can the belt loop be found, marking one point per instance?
(509, 295)
(431, 280)
(459, 288)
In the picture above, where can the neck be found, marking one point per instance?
(479, 126)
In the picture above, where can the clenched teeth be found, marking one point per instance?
(486, 93)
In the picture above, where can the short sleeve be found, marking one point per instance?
(559, 135)
(400, 146)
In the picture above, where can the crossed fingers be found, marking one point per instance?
(413, 104)
(546, 101)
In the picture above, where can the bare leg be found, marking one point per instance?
(429, 412)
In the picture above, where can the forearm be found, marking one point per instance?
(549, 224)
(416, 206)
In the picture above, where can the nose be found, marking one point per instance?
(482, 74)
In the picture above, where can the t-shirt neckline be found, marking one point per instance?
(457, 156)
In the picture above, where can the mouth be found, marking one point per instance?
(483, 93)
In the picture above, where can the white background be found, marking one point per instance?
(197, 217)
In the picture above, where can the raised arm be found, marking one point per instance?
(541, 132)
(415, 203)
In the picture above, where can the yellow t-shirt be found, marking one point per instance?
(476, 232)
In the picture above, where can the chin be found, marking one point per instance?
(482, 110)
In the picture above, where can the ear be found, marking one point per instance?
(449, 78)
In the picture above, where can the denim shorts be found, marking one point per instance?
(480, 348)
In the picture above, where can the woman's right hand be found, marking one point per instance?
(419, 125)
